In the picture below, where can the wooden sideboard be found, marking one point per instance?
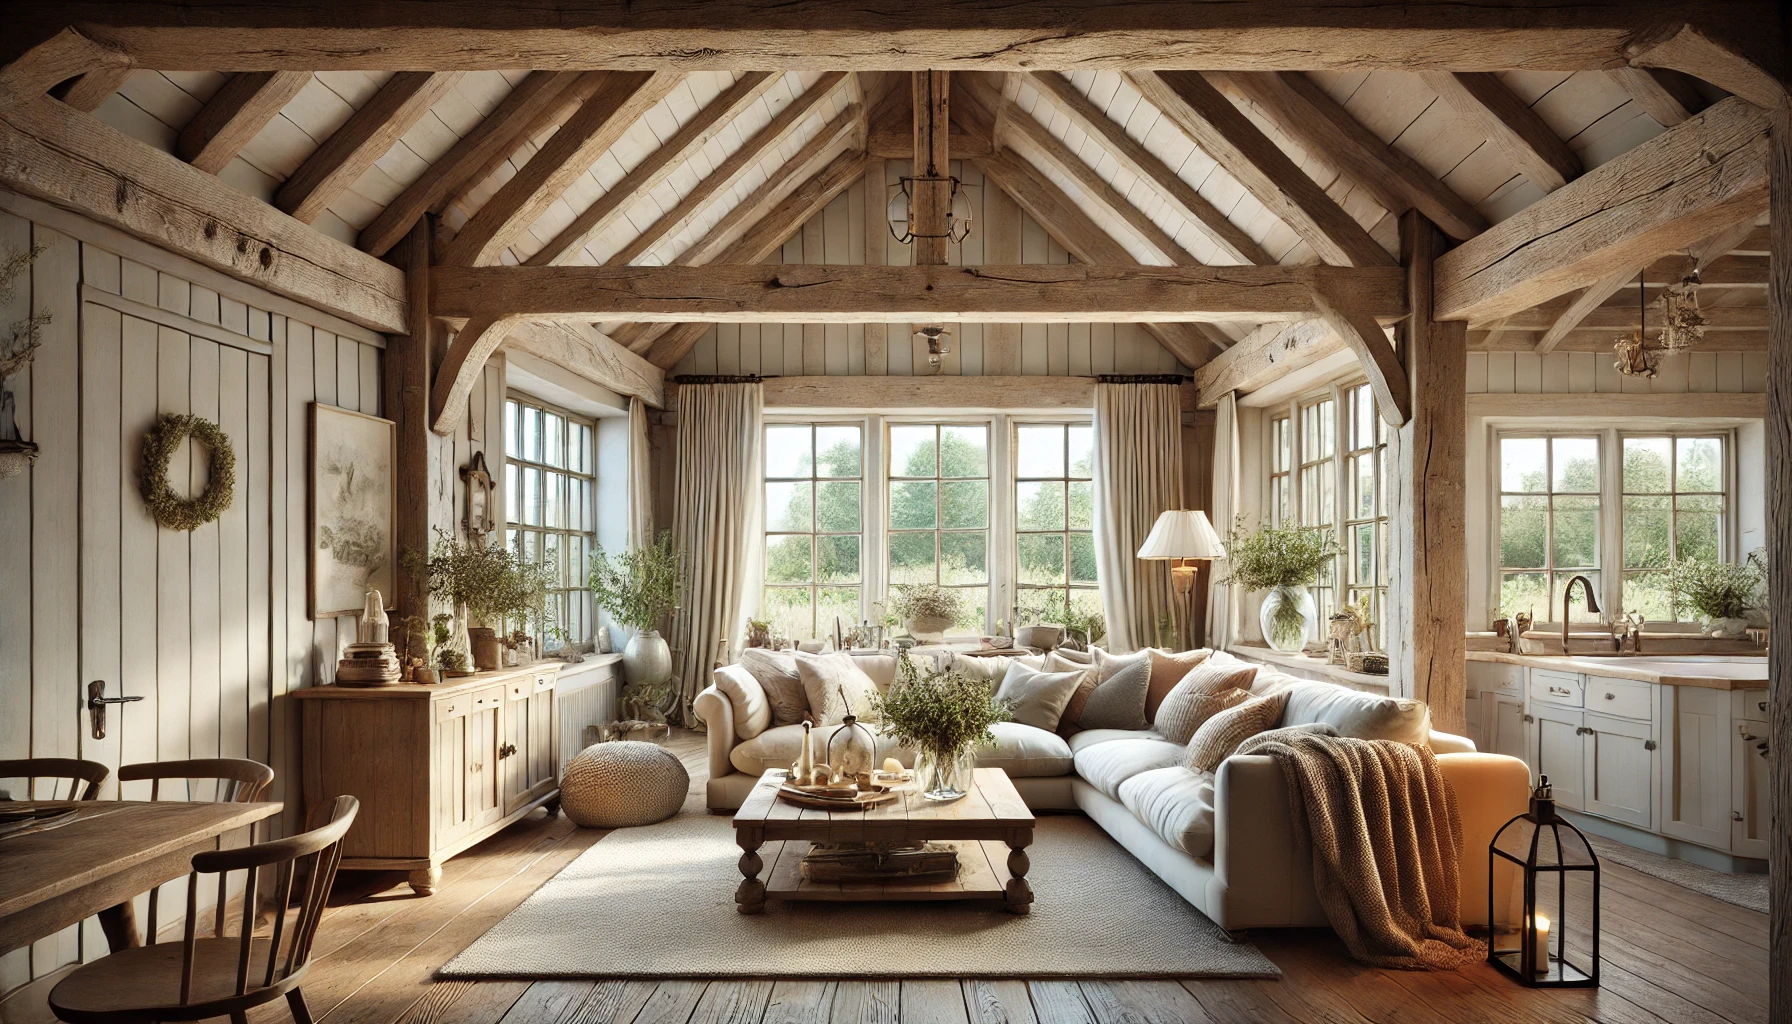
(437, 768)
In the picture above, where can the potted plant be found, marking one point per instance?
(926, 610)
(1720, 593)
(523, 602)
(942, 717)
(1285, 561)
(475, 581)
(638, 588)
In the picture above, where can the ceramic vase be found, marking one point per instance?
(1720, 628)
(930, 630)
(485, 648)
(1287, 618)
(647, 660)
(945, 776)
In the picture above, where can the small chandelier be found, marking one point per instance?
(901, 211)
(939, 343)
(1634, 356)
(1683, 324)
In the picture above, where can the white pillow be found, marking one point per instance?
(836, 687)
(992, 668)
(1365, 716)
(752, 711)
(1038, 697)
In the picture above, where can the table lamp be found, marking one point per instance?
(1182, 536)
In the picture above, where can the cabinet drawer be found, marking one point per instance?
(1754, 704)
(517, 689)
(490, 697)
(1495, 677)
(453, 707)
(1556, 688)
(1624, 698)
(544, 681)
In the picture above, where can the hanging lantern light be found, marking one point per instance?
(1683, 323)
(1634, 356)
(1543, 899)
(901, 211)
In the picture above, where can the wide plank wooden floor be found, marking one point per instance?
(1672, 956)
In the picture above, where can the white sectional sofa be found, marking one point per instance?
(1225, 842)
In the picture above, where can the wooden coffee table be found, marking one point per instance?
(990, 826)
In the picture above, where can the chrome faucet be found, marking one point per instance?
(1586, 586)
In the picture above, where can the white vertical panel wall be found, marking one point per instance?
(1703, 370)
(209, 627)
(836, 235)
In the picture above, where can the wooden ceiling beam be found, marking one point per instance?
(1398, 182)
(1491, 110)
(363, 138)
(1374, 351)
(465, 360)
(930, 191)
(1222, 131)
(1695, 50)
(618, 102)
(765, 236)
(55, 55)
(515, 119)
(1267, 353)
(1667, 96)
(1590, 298)
(1132, 154)
(1672, 191)
(1619, 314)
(235, 114)
(51, 152)
(93, 88)
(647, 175)
(582, 351)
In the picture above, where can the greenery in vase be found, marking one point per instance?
(466, 576)
(1278, 556)
(1053, 607)
(523, 598)
(639, 586)
(1716, 590)
(918, 601)
(940, 713)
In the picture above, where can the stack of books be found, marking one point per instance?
(368, 664)
(879, 862)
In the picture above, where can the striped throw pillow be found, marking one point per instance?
(1219, 737)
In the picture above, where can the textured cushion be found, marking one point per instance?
(1118, 701)
(1070, 722)
(1167, 669)
(1365, 716)
(1025, 752)
(879, 666)
(991, 668)
(1090, 737)
(1175, 803)
(752, 709)
(1220, 735)
(1106, 765)
(778, 747)
(1083, 658)
(1202, 691)
(835, 686)
(616, 785)
(1038, 698)
(777, 674)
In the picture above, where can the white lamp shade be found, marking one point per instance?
(1182, 533)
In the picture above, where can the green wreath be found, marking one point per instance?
(159, 446)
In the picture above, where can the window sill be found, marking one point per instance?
(1311, 668)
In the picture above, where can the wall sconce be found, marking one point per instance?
(939, 343)
(480, 515)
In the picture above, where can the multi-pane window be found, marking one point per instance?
(1549, 522)
(1319, 485)
(814, 527)
(1281, 468)
(549, 487)
(1054, 505)
(939, 511)
(1674, 508)
(1365, 509)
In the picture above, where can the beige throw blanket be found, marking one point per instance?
(1386, 840)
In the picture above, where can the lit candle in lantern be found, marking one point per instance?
(1540, 944)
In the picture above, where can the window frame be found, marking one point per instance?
(815, 532)
(576, 591)
(1069, 586)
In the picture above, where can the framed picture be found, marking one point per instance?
(354, 545)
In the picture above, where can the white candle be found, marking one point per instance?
(1540, 944)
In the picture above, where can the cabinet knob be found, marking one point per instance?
(1648, 744)
(1610, 695)
(1735, 815)
(1528, 718)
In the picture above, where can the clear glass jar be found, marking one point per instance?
(945, 775)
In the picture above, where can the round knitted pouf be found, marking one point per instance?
(627, 782)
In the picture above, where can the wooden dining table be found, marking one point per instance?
(102, 859)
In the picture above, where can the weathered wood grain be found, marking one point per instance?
(235, 114)
(580, 350)
(1268, 352)
(1779, 561)
(1494, 112)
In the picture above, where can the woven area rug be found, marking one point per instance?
(1746, 891)
(659, 902)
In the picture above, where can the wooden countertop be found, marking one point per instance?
(1736, 673)
(412, 691)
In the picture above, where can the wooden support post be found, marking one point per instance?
(1428, 543)
(932, 198)
(877, 241)
(1779, 561)
(407, 373)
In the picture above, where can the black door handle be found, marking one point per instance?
(96, 706)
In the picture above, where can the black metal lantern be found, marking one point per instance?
(1543, 899)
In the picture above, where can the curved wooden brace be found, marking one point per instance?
(465, 360)
(1365, 337)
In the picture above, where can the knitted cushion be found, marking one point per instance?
(1180, 724)
(615, 785)
(1167, 669)
(1198, 696)
(1220, 736)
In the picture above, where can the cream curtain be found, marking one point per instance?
(715, 522)
(1222, 613)
(1138, 474)
(640, 480)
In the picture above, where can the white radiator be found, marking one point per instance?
(586, 698)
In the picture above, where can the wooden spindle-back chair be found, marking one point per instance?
(56, 769)
(239, 781)
(221, 975)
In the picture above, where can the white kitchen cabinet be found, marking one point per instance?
(1503, 728)
(1555, 751)
(1695, 765)
(1619, 759)
(1750, 781)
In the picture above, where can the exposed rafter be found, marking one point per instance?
(235, 114)
(1265, 354)
(60, 54)
(1222, 131)
(619, 101)
(93, 88)
(1495, 112)
(363, 138)
(1591, 297)
(1667, 96)
(473, 344)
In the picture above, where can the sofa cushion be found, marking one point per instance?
(991, 668)
(752, 711)
(1037, 698)
(1167, 669)
(1118, 701)
(879, 666)
(778, 747)
(1365, 716)
(777, 675)
(1070, 654)
(1025, 752)
(835, 687)
(1070, 722)
(1175, 803)
(1220, 736)
(1206, 690)
(1090, 737)
(1106, 765)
